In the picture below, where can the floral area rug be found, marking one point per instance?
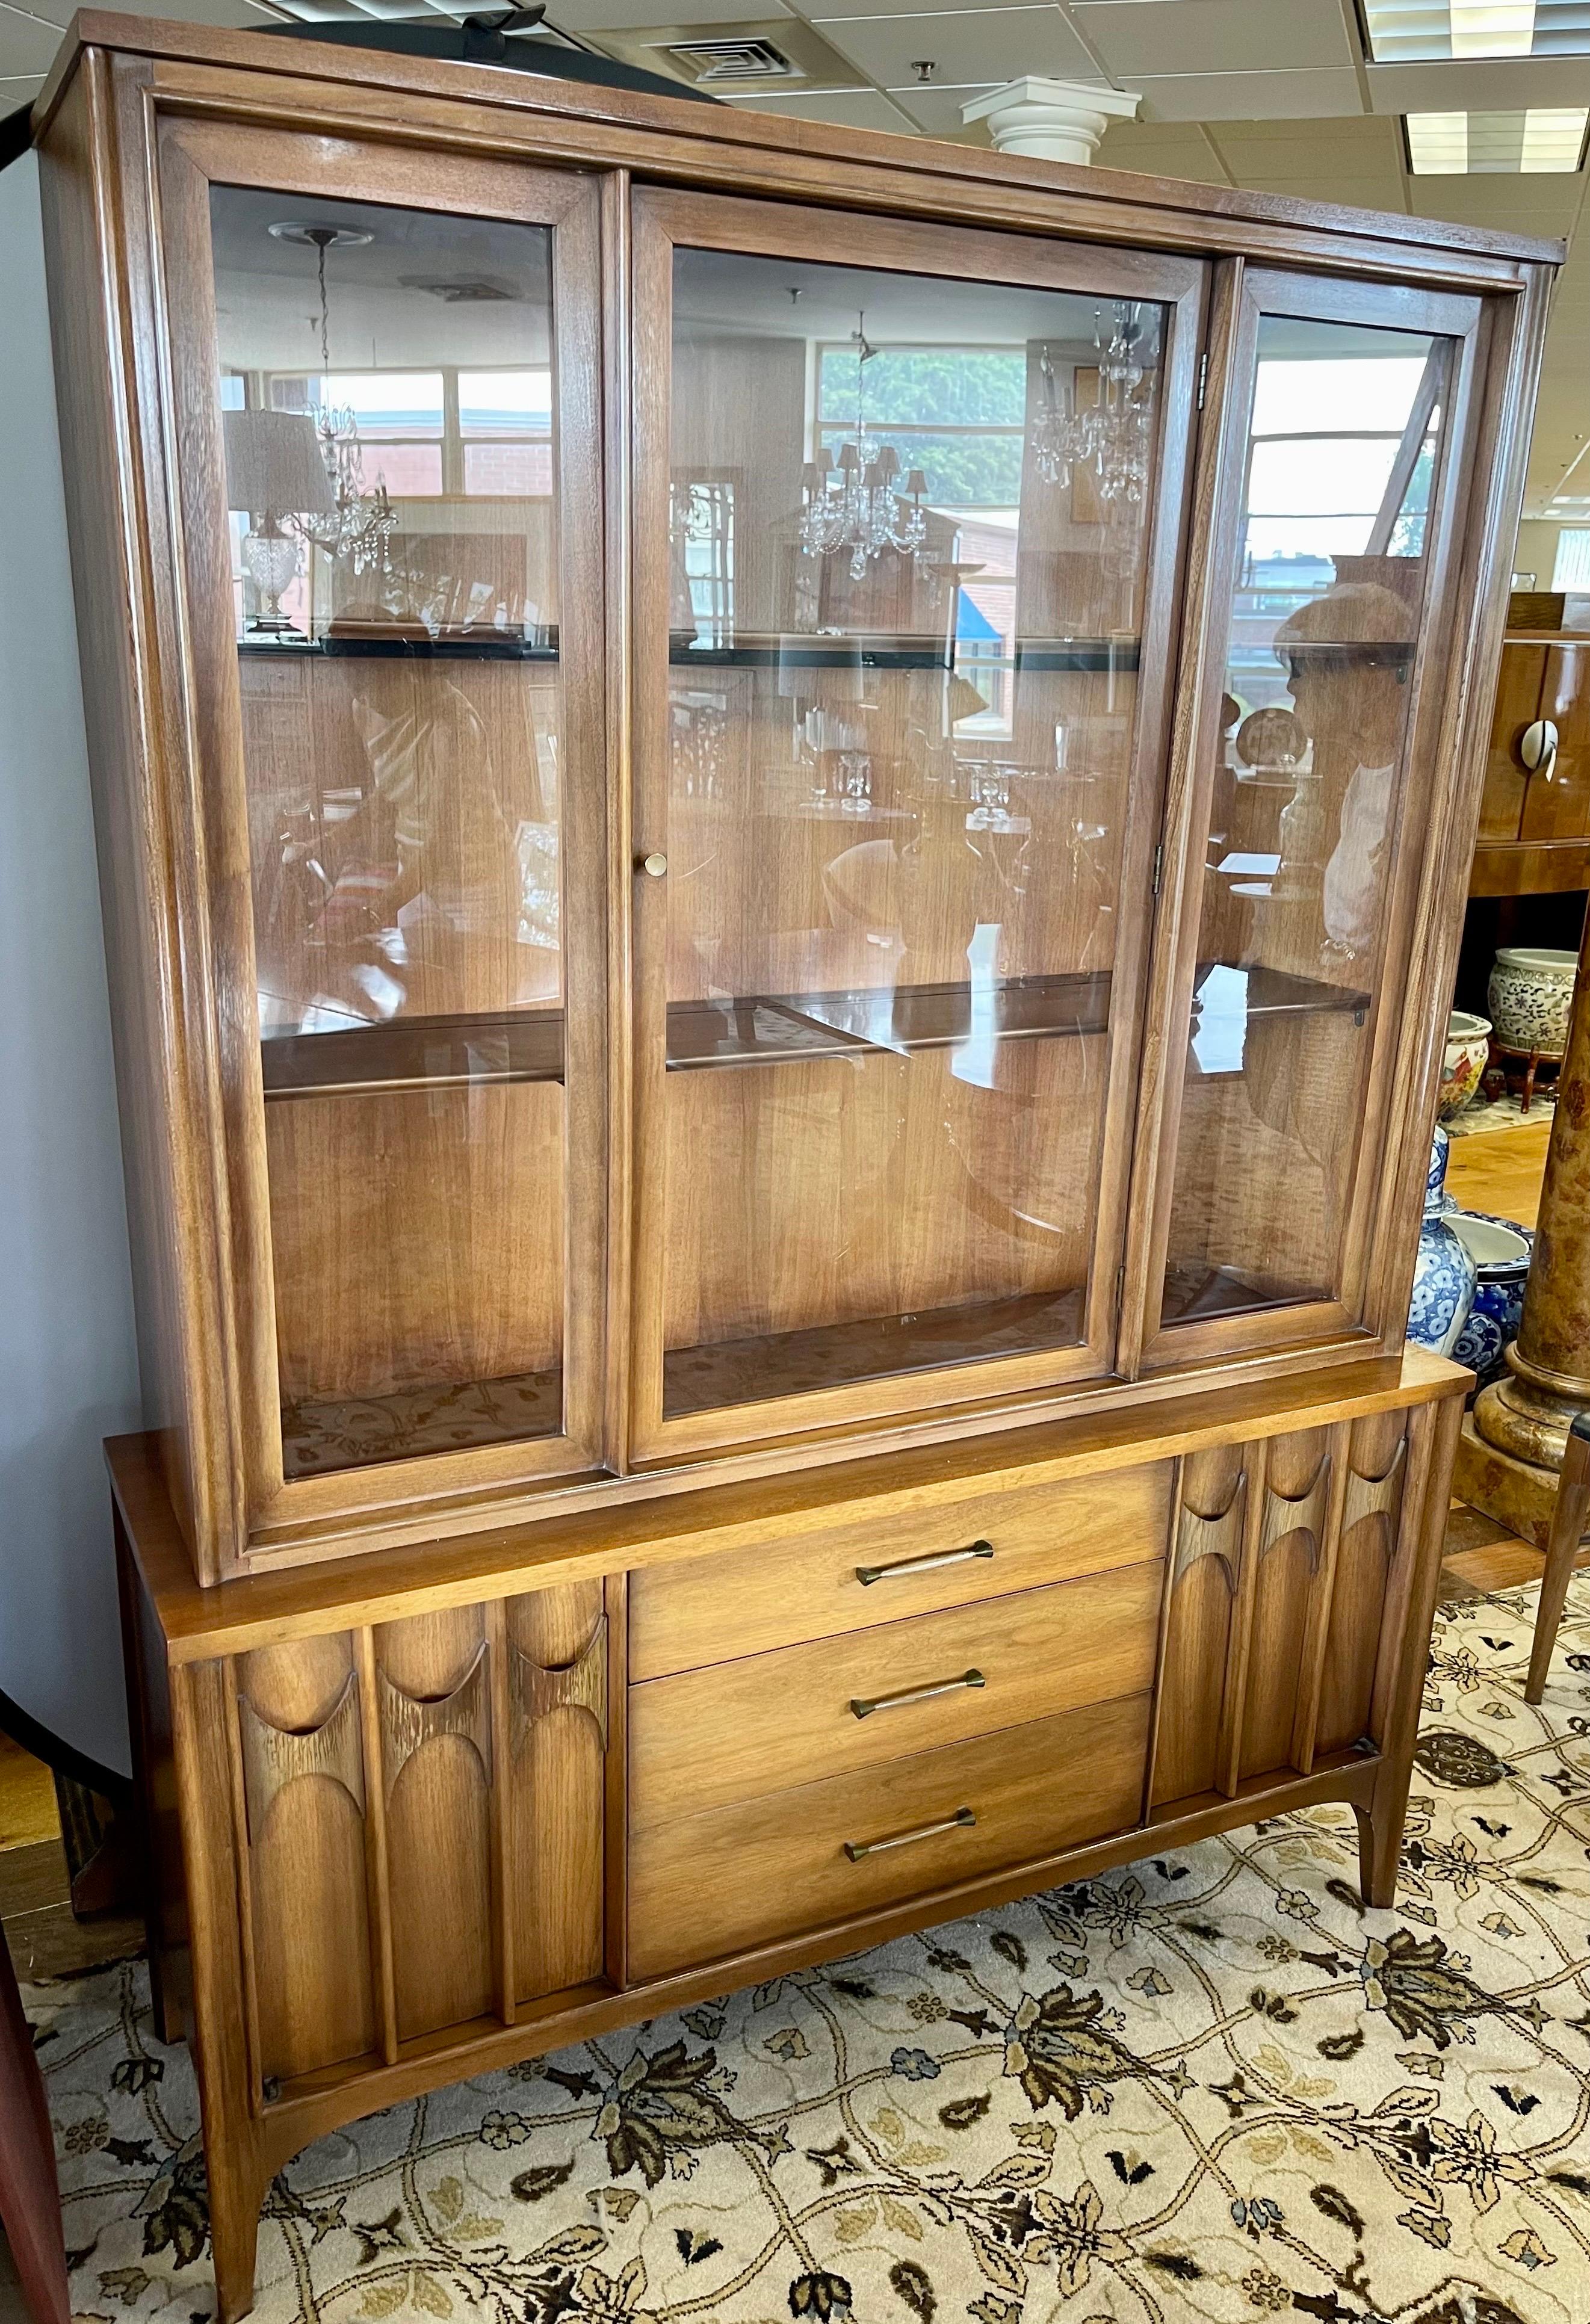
(1208, 2085)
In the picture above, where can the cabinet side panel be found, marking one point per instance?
(81, 234)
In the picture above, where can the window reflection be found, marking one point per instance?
(387, 421)
(908, 528)
(1330, 590)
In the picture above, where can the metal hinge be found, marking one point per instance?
(1159, 865)
(1203, 376)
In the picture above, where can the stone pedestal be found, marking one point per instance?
(1512, 1445)
(1051, 120)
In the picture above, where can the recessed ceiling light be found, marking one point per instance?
(1545, 140)
(1420, 32)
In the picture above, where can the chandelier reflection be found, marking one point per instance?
(853, 501)
(360, 520)
(1114, 436)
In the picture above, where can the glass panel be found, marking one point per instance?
(396, 621)
(1326, 607)
(909, 528)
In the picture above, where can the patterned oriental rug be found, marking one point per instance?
(1209, 2086)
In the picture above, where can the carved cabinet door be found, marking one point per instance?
(421, 1807)
(1290, 1560)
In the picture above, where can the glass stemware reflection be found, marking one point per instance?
(855, 782)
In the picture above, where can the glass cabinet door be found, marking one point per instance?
(389, 391)
(904, 536)
(1307, 814)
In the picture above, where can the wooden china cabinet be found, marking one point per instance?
(783, 820)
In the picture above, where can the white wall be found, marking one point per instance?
(68, 1364)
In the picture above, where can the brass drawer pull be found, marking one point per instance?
(865, 1709)
(856, 1848)
(867, 1574)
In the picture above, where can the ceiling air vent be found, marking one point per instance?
(743, 58)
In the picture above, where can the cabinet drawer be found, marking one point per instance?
(707, 1738)
(710, 1610)
(708, 1885)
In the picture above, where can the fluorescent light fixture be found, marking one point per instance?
(1545, 140)
(1424, 32)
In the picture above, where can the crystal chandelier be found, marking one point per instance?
(1114, 437)
(852, 503)
(360, 522)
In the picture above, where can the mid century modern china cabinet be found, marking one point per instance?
(784, 823)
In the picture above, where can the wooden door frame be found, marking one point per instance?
(662, 221)
(1360, 1310)
(189, 157)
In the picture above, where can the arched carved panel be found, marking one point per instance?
(274, 1756)
(409, 1721)
(1206, 1567)
(1371, 1516)
(579, 1685)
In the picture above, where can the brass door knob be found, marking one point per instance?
(653, 865)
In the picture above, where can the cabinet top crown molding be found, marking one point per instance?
(1124, 205)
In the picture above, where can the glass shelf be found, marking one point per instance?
(861, 652)
(418, 1053)
(762, 1029)
(413, 1053)
(483, 645)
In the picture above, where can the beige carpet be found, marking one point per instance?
(1210, 2085)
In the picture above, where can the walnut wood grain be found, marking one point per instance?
(768, 1595)
(703, 1887)
(742, 1730)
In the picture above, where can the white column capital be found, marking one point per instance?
(1051, 120)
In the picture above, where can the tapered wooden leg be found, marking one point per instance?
(1380, 1851)
(1567, 1526)
(236, 2191)
(29, 2196)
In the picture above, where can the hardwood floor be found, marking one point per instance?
(35, 1888)
(1500, 1171)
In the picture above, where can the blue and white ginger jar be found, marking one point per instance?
(1444, 1276)
(1500, 1248)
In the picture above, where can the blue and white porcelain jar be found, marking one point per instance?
(1444, 1274)
(1500, 1248)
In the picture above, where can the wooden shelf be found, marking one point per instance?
(786, 1363)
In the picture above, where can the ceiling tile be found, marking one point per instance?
(937, 110)
(1495, 85)
(1541, 205)
(1167, 150)
(853, 108)
(1186, 36)
(25, 47)
(985, 47)
(1322, 91)
(1359, 130)
(620, 16)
